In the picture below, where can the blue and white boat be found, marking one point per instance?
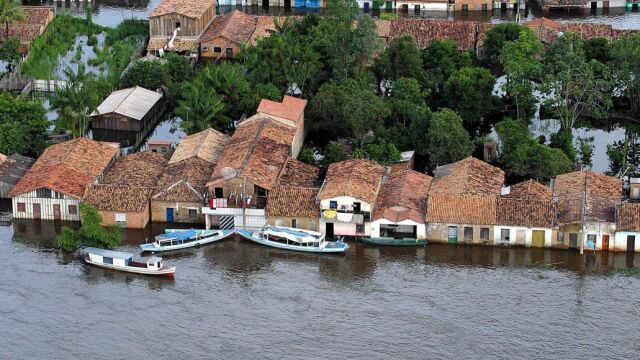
(294, 239)
(123, 261)
(176, 239)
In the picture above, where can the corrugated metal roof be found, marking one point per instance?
(132, 102)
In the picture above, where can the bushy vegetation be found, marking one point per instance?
(23, 125)
(90, 233)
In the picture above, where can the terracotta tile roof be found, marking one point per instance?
(188, 8)
(141, 169)
(628, 217)
(602, 193)
(37, 18)
(292, 201)
(290, 108)
(548, 30)
(236, 27)
(358, 178)
(68, 167)
(589, 30)
(403, 196)
(206, 145)
(119, 198)
(469, 176)
(545, 23)
(425, 31)
(530, 190)
(183, 181)
(383, 27)
(297, 173)
(461, 209)
(525, 212)
(258, 149)
(179, 44)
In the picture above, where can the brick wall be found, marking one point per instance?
(301, 223)
(135, 220)
(180, 212)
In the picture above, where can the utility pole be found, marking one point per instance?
(582, 218)
(244, 203)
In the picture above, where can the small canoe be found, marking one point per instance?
(126, 262)
(176, 239)
(294, 239)
(394, 242)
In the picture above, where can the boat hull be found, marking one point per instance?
(164, 271)
(331, 248)
(150, 247)
(394, 242)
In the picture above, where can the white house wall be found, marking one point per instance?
(513, 238)
(46, 207)
(424, 6)
(421, 228)
(346, 201)
(620, 242)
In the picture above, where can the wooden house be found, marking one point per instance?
(586, 203)
(12, 169)
(627, 236)
(401, 205)
(179, 195)
(123, 196)
(347, 197)
(56, 182)
(177, 25)
(226, 35)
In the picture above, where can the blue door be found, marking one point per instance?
(169, 215)
(366, 6)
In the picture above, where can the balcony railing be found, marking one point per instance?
(253, 202)
(346, 215)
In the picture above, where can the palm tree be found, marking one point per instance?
(10, 12)
(75, 102)
(201, 109)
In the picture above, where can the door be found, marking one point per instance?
(366, 6)
(631, 243)
(169, 215)
(537, 239)
(573, 240)
(605, 242)
(605, 4)
(287, 3)
(389, 5)
(56, 212)
(453, 235)
(329, 230)
(376, 5)
(36, 211)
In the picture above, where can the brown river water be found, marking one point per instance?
(239, 300)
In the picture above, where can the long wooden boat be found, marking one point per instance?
(176, 239)
(123, 261)
(294, 239)
(394, 242)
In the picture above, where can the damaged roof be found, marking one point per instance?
(596, 193)
(403, 196)
(206, 145)
(236, 27)
(358, 178)
(293, 201)
(469, 176)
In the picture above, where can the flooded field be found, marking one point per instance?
(238, 300)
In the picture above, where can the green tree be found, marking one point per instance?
(418, 133)
(469, 91)
(521, 66)
(406, 101)
(574, 86)
(401, 59)
(624, 156)
(447, 139)
(76, 101)
(563, 140)
(498, 36)
(10, 52)
(439, 60)
(10, 13)
(625, 63)
(585, 151)
(332, 153)
(90, 233)
(307, 155)
(382, 152)
(148, 74)
(597, 49)
(522, 156)
(23, 125)
(201, 109)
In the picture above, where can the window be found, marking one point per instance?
(205, 48)
(73, 209)
(468, 233)
(484, 7)
(121, 217)
(504, 234)
(193, 213)
(177, 24)
(217, 49)
(356, 207)
(359, 228)
(333, 204)
(591, 241)
(21, 207)
(218, 193)
(294, 223)
(484, 233)
(260, 191)
(43, 193)
(560, 237)
(465, 7)
(229, 52)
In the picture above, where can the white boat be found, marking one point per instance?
(176, 239)
(123, 261)
(294, 239)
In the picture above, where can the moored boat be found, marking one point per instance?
(176, 239)
(387, 241)
(294, 239)
(123, 261)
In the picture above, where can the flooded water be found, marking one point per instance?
(238, 300)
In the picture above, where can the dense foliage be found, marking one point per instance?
(90, 233)
(23, 125)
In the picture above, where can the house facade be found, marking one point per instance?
(347, 197)
(293, 206)
(56, 182)
(401, 205)
(226, 35)
(524, 222)
(627, 237)
(454, 219)
(123, 195)
(586, 203)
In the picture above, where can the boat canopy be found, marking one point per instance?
(108, 253)
(293, 234)
(180, 235)
(147, 259)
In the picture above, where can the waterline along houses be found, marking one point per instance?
(347, 197)
(627, 228)
(123, 196)
(180, 192)
(53, 187)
